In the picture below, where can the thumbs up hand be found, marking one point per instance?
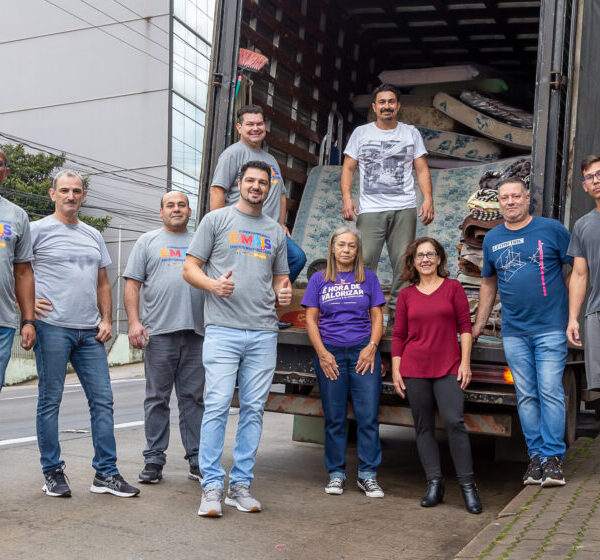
(224, 286)
(284, 297)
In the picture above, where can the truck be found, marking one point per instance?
(323, 54)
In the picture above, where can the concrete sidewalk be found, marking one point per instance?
(559, 522)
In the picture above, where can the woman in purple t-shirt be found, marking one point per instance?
(344, 321)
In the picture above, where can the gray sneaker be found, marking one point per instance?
(335, 486)
(210, 504)
(239, 496)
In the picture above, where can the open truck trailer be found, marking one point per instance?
(323, 54)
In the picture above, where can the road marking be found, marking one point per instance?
(18, 440)
(130, 424)
(72, 385)
(34, 396)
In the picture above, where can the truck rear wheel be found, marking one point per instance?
(571, 406)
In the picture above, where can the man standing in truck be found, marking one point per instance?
(585, 248)
(386, 152)
(523, 259)
(238, 256)
(224, 185)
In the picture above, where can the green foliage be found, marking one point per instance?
(30, 179)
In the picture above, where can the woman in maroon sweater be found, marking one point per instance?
(430, 367)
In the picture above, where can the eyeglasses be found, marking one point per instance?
(421, 256)
(590, 178)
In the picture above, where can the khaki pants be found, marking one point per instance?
(397, 229)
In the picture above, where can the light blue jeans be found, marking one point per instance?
(537, 363)
(6, 340)
(251, 355)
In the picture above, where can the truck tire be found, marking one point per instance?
(571, 406)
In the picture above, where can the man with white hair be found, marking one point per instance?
(74, 319)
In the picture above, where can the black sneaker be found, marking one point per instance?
(553, 472)
(533, 474)
(56, 484)
(370, 487)
(113, 484)
(151, 474)
(194, 473)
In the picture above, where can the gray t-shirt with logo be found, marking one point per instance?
(66, 259)
(227, 173)
(585, 242)
(15, 247)
(170, 304)
(254, 249)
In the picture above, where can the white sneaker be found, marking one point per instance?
(335, 486)
(210, 504)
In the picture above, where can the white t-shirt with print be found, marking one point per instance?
(385, 161)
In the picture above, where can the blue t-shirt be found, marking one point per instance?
(528, 263)
(344, 306)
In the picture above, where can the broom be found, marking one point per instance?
(249, 61)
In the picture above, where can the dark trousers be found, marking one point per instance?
(423, 395)
(173, 359)
(364, 391)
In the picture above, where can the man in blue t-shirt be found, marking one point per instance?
(523, 259)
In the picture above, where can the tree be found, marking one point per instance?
(30, 179)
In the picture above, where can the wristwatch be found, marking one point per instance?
(27, 322)
(373, 343)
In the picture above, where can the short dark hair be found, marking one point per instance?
(162, 198)
(385, 87)
(588, 161)
(513, 179)
(409, 272)
(249, 109)
(255, 165)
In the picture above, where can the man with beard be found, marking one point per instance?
(523, 259)
(173, 328)
(386, 152)
(238, 256)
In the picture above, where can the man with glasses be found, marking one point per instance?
(523, 260)
(16, 275)
(585, 248)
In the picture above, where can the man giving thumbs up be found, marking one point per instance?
(238, 256)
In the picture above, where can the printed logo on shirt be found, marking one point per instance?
(275, 176)
(341, 291)
(173, 256)
(250, 243)
(510, 243)
(510, 261)
(6, 232)
(384, 167)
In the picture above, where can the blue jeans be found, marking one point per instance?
(364, 391)
(54, 347)
(537, 363)
(226, 351)
(6, 340)
(296, 258)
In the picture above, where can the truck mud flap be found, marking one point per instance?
(485, 424)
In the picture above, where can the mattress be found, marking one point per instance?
(485, 125)
(459, 146)
(320, 210)
(485, 85)
(435, 74)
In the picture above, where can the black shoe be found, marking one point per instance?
(194, 473)
(435, 492)
(56, 484)
(533, 474)
(285, 325)
(151, 474)
(471, 496)
(113, 484)
(553, 474)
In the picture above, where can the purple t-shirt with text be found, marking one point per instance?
(344, 306)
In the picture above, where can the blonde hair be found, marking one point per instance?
(359, 269)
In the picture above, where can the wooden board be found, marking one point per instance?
(507, 134)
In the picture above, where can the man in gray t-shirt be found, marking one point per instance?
(16, 275)
(238, 256)
(172, 326)
(585, 248)
(224, 188)
(74, 319)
